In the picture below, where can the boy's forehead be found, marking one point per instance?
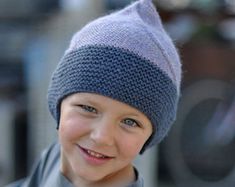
(95, 98)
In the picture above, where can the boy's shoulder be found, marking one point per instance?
(49, 159)
(42, 170)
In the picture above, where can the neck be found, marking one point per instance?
(118, 179)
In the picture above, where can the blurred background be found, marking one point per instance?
(200, 149)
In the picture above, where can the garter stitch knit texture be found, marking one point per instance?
(127, 56)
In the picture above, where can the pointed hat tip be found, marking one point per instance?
(146, 0)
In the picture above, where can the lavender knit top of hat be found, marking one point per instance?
(127, 56)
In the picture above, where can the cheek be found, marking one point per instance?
(130, 146)
(72, 128)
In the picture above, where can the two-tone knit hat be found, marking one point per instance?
(126, 56)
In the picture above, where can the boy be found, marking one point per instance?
(114, 94)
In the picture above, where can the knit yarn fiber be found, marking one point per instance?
(127, 56)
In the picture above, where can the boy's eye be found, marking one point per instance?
(130, 122)
(87, 108)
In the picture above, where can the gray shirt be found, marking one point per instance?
(47, 172)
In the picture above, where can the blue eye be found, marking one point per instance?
(87, 108)
(131, 122)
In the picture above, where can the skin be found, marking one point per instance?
(100, 124)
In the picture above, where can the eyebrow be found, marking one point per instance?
(86, 99)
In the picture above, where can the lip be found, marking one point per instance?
(92, 160)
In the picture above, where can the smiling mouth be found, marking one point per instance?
(95, 154)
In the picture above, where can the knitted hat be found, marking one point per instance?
(127, 56)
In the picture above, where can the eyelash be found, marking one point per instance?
(87, 108)
(134, 122)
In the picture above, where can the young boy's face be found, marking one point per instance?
(99, 136)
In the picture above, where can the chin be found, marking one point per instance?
(91, 177)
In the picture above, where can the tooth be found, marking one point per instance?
(98, 155)
(95, 154)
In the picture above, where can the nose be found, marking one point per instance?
(103, 132)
